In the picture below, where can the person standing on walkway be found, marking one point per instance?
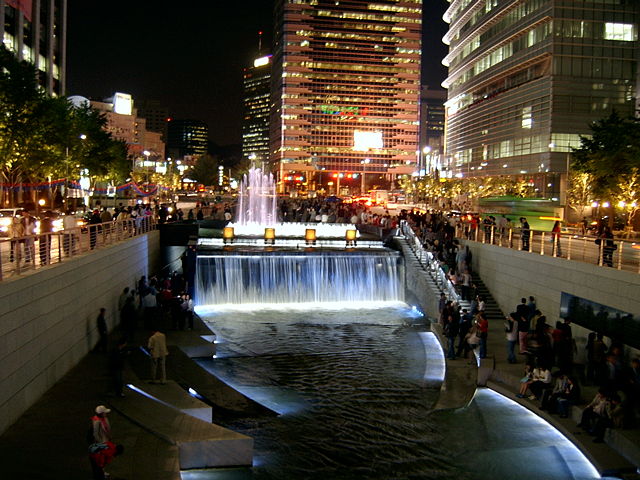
(555, 239)
(116, 366)
(157, 346)
(29, 223)
(522, 317)
(483, 330)
(101, 323)
(525, 233)
(100, 425)
(44, 241)
(511, 333)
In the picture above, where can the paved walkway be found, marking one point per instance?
(48, 441)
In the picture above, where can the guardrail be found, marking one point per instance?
(610, 253)
(428, 262)
(24, 254)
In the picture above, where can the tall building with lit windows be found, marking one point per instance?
(36, 31)
(255, 119)
(346, 89)
(526, 77)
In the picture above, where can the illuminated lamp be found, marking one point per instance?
(228, 235)
(270, 235)
(310, 236)
(350, 237)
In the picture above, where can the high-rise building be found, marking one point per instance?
(346, 88)
(526, 77)
(431, 129)
(155, 114)
(36, 31)
(257, 101)
(186, 138)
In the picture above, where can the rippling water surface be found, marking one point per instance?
(349, 386)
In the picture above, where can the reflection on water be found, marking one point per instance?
(349, 386)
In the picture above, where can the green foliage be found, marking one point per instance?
(610, 155)
(43, 136)
(205, 171)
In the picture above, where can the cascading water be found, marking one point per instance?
(289, 277)
(257, 200)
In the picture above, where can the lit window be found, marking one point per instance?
(527, 118)
(620, 31)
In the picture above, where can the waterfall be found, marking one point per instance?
(254, 278)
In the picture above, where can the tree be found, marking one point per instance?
(205, 171)
(43, 137)
(611, 156)
(579, 191)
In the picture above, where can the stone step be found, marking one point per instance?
(200, 444)
(173, 395)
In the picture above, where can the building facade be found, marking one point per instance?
(124, 124)
(345, 93)
(526, 77)
(257, 102)
(432, 121)
(156, 116)
(36, 31)
(186, 138)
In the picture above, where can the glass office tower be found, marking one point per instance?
(255, 120)
(345, 94)
(526, 77)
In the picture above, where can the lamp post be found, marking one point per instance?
(146, 153)
(364, 163)
(426, 155)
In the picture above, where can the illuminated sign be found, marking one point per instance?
(365, 141)
(122, 103)
(262, 61)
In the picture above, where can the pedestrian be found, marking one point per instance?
(116, 366)
(101, 323)
(451, 329)
(29, 224)
(555, 239)
(483, 330)
(466, 322)
(44, 241)
(94, 221)
(607, 246)
(525, 233)
(100, 455)
(511, 333)
(128, 317)
(188, 310)
(70, 226)
(100, 426)
(16, 231)
(157, 346)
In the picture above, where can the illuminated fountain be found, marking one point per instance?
(257, 209)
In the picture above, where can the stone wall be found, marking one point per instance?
(47, 318)
(512, 274)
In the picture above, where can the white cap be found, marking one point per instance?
(102, 409)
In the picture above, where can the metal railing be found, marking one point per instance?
(24, 254)
(429, 262)
(613, 253)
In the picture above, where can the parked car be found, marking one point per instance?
(6, 217)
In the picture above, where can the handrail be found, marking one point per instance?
(610, 253)
(19, 255)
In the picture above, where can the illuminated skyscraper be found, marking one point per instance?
(345, 92)
(36, 31)
(187, 138)
(257, 101)
(526, 77)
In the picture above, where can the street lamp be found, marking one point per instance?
(426, 155)
(146, 153)
(364, 163)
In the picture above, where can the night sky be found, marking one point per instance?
(189, 57)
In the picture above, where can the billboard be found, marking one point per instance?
(365, 141)
(122, 103)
